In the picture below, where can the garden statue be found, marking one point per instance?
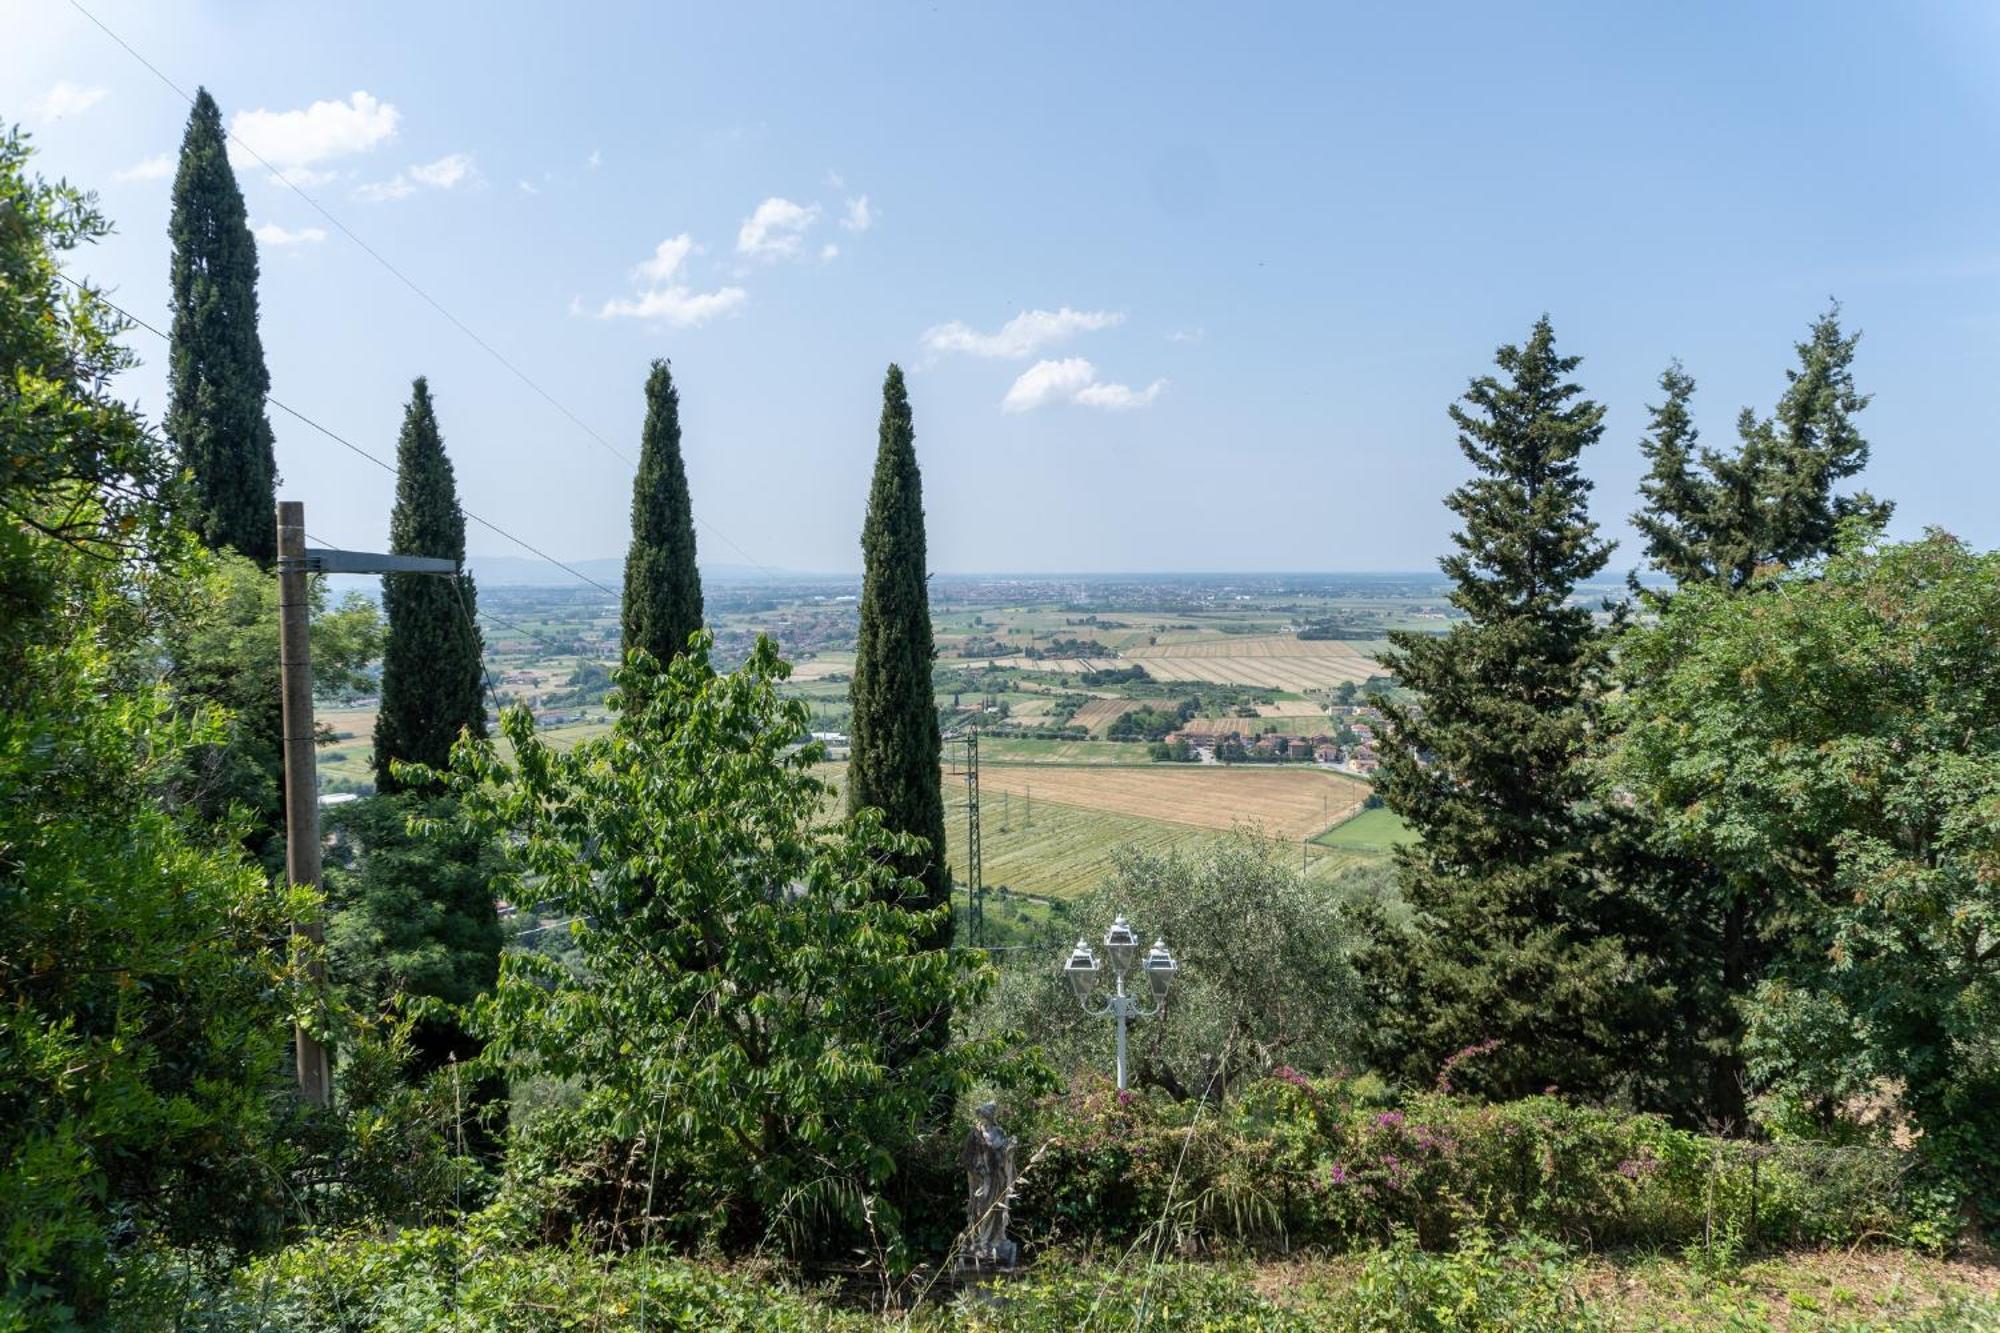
(988, 1159)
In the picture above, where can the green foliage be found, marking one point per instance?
(432, 677)
(1711, 516)
(413, 912)
(219, 630)
(66, 436)
(1515, 938)
(1294, 1162)
(142, 1013)
(893, 763)
(1830, 747)
(662, 585)
(750, 975)
(216, 374)
(1267, 970)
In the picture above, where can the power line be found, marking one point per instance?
(349, 445)
(407, 281)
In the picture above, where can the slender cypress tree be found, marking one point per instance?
(662, 585)
(894, 760)
(216, 374)
(1515, 940)
(431, 672)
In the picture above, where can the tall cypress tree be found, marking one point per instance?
(662, 584)
(894, 760)
(1515, 941)
(431, 673)
(216, 374)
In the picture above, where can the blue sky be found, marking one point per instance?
(1267, 245)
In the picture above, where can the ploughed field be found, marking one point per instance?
(1277, 661)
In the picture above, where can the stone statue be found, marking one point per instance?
(988, 1159)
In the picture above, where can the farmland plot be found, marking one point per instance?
(1099, 714)
(1289, 803)
(1277, 661)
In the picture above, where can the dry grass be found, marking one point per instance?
(1099, 714)
(1290, 803)
(1277, 661)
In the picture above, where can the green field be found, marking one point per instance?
(1375, 830)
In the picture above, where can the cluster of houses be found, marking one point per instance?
(1358, 756)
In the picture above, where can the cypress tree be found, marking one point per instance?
(431, 672)
(1514, 941)
(216, 375)
(893, 762)
(662, 585)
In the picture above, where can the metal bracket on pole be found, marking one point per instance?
(324, 560)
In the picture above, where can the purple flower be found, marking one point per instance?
(1336, 1174)
(1389, 1119)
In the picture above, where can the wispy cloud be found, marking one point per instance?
(1074, 380)
(67, 99)
(859, 217)
(299, 143)
(665, 297)
(1187, 335)
(1022, 336)
(155, 168)
(447, 173)
(595, 160)
(278, 238)
(829, 251)
(776, 230)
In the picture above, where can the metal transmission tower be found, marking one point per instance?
(975, 889)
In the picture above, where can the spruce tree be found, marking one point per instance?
(894, 760)
(1514, 940)
(662, 584)
(432, 679)
(1676, 495)
(216, 375)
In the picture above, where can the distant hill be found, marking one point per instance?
(514, 571)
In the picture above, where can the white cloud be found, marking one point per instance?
(668, 256)
(666, 299)
(447, 173)
(322, 132)
(1074, 380)
(1187, 335)
(271, 234)
(527, 187)
(156, 168)
(677, 305)
(1022, 336)
(68, 99)
(595, 160)
(828, 251)
(776, 230)
(1119, 397)
(859, 217)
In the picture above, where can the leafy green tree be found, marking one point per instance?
(1267, 970)
(894, 762)
(662, 584)
(1833, 753)
(432, 676)
(1516, 939)
(216, 375)
(413, 896)
(142, 1011)
(749, 972)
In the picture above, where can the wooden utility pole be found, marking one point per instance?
(301, 770)
(296, 564)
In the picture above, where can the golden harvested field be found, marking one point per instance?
(1054, 665)
(820, 668)
(1099, 714)
(1297, 717)
(1276, 661)
(1290, 803)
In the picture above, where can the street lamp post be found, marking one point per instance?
(1121, 947)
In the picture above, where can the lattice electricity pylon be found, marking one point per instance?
(975, 889)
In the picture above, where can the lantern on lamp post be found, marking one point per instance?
(1121, 950)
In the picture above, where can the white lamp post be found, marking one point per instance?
(1121, 947)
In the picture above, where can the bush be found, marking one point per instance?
(1294, 1161)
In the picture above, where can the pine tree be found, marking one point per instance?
(1729, 516)
(431, 672)
(894, 760)
(216, 375)
(662, 584)
(1515, 940)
